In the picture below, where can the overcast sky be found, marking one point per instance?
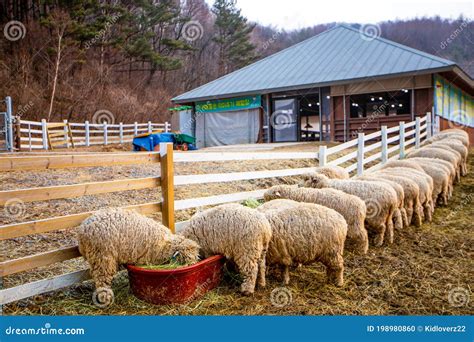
(293, 14)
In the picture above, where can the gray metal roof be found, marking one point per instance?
(339, 54)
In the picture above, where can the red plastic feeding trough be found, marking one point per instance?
(176, 286)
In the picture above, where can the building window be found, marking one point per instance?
(381, 104)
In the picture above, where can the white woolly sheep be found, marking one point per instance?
(439, 174)
(463, 138)
(334, 172)
(351, 207)
(458, 147)
(239, 233)
(441, 164)
(381, 201)
(411, 190)
(113, 237)
(425, 184)
(400, 218)
(440, 153)
(303, 233)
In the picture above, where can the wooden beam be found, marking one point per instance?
(38, 260)
(218, 199)
(190, 157)
(13, 294)
(78, 190)
(167, 184)
(62, 161)
(236, 176)
(63, 222)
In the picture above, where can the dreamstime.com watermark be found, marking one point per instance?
(46, 330)
(458, 297)
(281, 297)
(444, 44)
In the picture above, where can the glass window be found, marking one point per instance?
(380, 104)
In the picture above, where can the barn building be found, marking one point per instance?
(329, 88)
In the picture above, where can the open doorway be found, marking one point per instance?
(309, 114)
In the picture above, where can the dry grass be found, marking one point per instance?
(412, 276)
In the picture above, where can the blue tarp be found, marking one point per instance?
(149, 142)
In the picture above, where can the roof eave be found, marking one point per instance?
(318, 85)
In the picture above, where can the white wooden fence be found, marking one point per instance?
(33, 134)
(375, 148)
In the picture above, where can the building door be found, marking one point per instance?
(284, 120)
(325, 116)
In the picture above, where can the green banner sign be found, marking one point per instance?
(247, 102)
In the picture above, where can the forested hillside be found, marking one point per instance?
(69, 59)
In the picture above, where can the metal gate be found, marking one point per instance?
(6, 126)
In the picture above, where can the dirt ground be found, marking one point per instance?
(426, 271)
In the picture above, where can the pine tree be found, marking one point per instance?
(232, 37)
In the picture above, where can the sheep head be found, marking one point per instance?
(315, 180)
(185, 251)
(272, 193)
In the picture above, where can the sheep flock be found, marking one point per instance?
(327, 214)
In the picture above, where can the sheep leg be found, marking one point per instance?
(262, 270)
(397, 219)
(404, 217)
(389, 231)
(379, 236)
(427, 211)
(248, 268)
(409, 211)
(103, 272)
(286, 274)
(361, 240)
(335, 268)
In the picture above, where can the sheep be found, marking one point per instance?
(334, 172)
(425, 184)
(439, 174)
(411, 190)
(442, 165)
(439, 153)
(352, 208)
(458, 147)
(456, 133)
(304, 233)
(113, 237)
(400, 218)
(460, 135)
(381, 202)
(239, 233)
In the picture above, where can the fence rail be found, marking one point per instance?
(33, 135)
(367, 150)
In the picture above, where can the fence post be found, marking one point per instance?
(149, 127)
(29, 137)
(384, 156)
(166, 127)
(9, 132)
(121, 132)
(105, 132)
(428, 125)
(87, 133)
(167, 185)
(18, 133)
(44, 133)
(135, 128)
(322, 155)
(360, 153)
(402, 139)
(437, 125)
(65, 133)
(417, 133)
